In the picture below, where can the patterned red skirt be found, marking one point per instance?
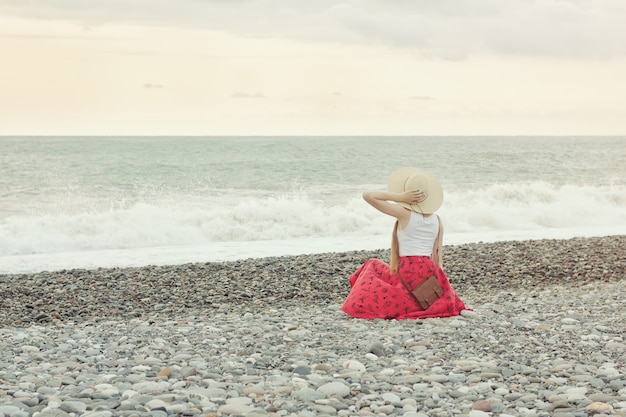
(376, 293)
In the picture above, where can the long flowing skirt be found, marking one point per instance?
(376, 293)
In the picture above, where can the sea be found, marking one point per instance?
(100, 202)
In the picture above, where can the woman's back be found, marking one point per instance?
(418, 237)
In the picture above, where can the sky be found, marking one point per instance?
(313, 67)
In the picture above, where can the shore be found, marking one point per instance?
(266, 337)
(251, 285)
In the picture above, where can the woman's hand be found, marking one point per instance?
(412, 197)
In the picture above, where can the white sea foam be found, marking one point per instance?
(201, 230)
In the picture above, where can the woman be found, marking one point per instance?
(384, 291)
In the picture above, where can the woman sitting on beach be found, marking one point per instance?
(379, 290)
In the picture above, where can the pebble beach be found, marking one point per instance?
(546, 336)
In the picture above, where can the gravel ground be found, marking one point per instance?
(255, 284)
(265, 337)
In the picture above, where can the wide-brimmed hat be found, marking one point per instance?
(408, 179)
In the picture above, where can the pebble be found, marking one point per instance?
(545, 337)
(334, 389)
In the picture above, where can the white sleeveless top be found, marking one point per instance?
(418, 237)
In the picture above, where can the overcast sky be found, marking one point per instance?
(313, 67)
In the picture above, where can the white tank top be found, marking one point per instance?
(418, 237)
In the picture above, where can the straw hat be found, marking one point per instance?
(405, 179)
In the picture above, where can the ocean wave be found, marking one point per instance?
(497, 209)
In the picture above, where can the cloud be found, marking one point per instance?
(150, 86)
(517, 27)
(448, 29)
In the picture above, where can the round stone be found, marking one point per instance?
(334, 389)
(235, 409)
(599, 408)
(354, 365)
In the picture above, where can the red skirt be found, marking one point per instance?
(376, 293)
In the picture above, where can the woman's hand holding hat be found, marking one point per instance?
(411, 197)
